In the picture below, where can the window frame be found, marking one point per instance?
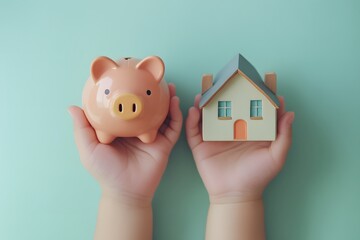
(258, 105)
(227, 106)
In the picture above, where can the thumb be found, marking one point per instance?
(85, 137)
(279, 148)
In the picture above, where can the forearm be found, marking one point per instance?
(120, 218)
(236, 221)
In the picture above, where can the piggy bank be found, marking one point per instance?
(126, 98)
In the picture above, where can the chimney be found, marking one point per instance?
(270, 81)
(207, 82)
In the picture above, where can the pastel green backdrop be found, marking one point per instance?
(45, 52)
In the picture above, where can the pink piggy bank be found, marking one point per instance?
(127, 98)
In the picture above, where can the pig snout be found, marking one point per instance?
(127, 106)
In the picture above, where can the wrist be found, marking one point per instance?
(126, 198)
(235, 197)
(239, 218)
(124, 216)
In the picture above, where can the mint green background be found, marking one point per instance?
(45, 52)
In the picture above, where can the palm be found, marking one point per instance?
(128, 165)
(230, 166)
(236, 167)
(130, 159)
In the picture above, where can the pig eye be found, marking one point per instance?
(107, 91)
(148, 92)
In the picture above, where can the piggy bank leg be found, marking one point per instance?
(104, 137)
(148, 137)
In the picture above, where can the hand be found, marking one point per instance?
(127, 167)
(238, 171)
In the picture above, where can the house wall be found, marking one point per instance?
(239, 91)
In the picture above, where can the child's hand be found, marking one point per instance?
(238, 171)
(128, 168)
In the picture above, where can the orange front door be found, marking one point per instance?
(240, 130)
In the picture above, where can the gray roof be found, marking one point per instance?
(237, 63)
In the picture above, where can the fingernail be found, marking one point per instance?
(190, 109)
(291, 118)
(175, 97)
(69, 111)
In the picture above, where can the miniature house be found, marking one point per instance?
(237, 105)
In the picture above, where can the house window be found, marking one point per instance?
(224, 109)
(256, 109)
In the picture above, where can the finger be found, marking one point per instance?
(172, 90)
(281, 110)
(165, 125)
(193, 133)
(196, 104)
(85, 136)
(197, 100)
(279, 148)
(173, 131)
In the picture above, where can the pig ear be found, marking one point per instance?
(100, 65)
(153, 65)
